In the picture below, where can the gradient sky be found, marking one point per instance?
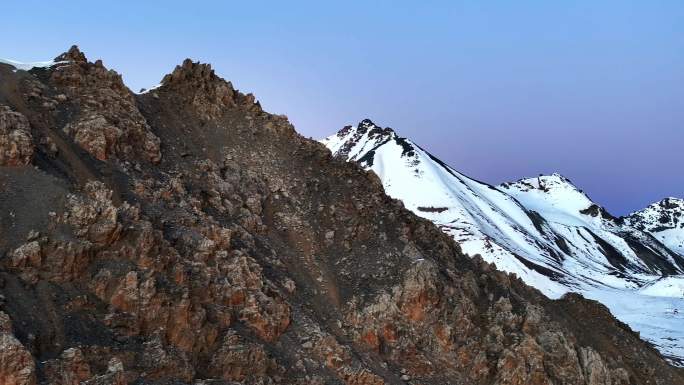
(498, 89)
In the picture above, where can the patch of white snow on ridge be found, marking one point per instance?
(29, 66)
(146, 90)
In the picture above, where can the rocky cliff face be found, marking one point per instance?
(184, 235)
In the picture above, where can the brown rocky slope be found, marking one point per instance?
(184, 235)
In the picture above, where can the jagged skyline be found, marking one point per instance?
(500, 91)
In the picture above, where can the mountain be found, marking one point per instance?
(543, 229)
(664, 220)
(183, 235)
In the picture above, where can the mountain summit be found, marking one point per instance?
(544, 229)
(665, 220)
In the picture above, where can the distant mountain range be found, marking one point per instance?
(544, 229)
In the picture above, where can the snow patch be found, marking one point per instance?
(30, 66)
(672, 286)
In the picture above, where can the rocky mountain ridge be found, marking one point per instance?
(185, 236)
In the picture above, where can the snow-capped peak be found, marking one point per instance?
(664, 220)
(665, 214)
(544, 229)
(555, 185)
(557, 199)
(353, 142)
(545, 182)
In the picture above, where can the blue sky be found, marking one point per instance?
(498, 89)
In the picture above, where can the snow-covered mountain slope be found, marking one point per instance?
(543, 229)
(589, 230)
(664, 220)
(481, 218)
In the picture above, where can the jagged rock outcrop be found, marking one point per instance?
(16, 142)
(205, 92)
(107, 123)
(244, 253)
(17, 366)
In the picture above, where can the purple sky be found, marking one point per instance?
(498, 89)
